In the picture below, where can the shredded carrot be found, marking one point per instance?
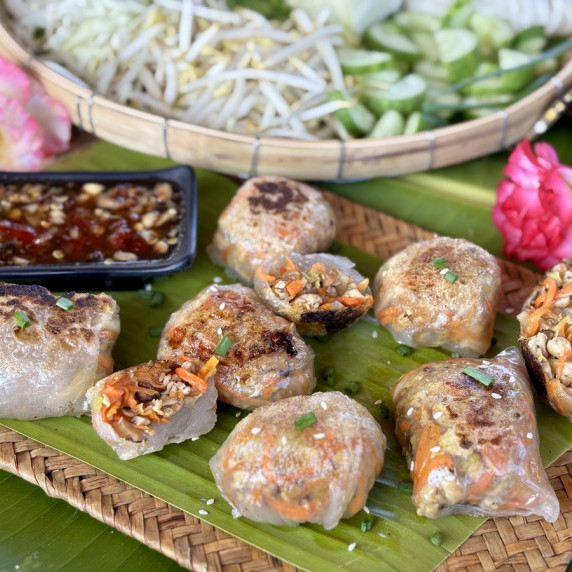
(363, 284)
(545, 300)
(421, 475)
(533, 324)
(193, 379)
(263, 276)
(290, 510)
(290, 266)
(482, 484)
(350, 300)
(105, 361)
(388, 315)
(566, 291)
(556, 396)
(295, 287)
(318, 267)
(561, 362)
(112, 393)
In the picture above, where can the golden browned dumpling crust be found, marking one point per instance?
(48, 364)
(267, 359)
(473, 448)
(270, 216)
(545, 334)
(305, 459)
(440, 292)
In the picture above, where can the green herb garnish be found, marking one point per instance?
(157, 299)
(450, 276)
(145, 294)
(479, 375)
(436, 539)
(405, 487)
(439, 262)
(383, 411)
(223, 346)
(155, 331)
(305, 420)
(403, 350)
(352, 388)
(366, 524)
(64, 303)
(22, 319)
(328, 375)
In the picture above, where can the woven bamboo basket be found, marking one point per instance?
(307, 160)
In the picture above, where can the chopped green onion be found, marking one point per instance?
(450, 276)
(436, 539)
(439, 262)
(305, 420)
(405, 487)
(145, 294)
(64, 303)
(155, 331)
(403, 350)
(352, 388)
(22, 319)
(479, 375)
(383, 411)
(366, 524)
(157, 299)
(223, 346)
(328, 375)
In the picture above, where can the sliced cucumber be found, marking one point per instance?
(493, 33)
(488, 86)
(384, 37)
(531, 41)
(405, 96)
(431, 72)
(480, 106)
(458, 52)
(356, 117)
(458, 15)
(414, 21)
(514, 80)
(419, 121)
(425, 41)
(390, 124)
(444, 105)
(381, 79)
(357, 61)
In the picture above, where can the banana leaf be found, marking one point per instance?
(398, 539)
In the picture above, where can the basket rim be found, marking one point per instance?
(343, 159)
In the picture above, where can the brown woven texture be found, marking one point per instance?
(500, 544)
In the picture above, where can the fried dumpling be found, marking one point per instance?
(468, 430)
(269, 216)
(321, 293)
(53, 349)
(440, 292)
(142, 408)
(304, 459)
(266, 358)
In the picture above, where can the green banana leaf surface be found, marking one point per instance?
(180, 475)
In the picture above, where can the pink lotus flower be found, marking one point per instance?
(32, 124)
(533, 209)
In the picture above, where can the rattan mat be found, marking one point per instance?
(499, 544)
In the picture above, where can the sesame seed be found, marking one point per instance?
(412, 466)
(512, 379)
(529, 435)
(485, 362)
(319, 435)
(496, 395)
(255, 430)
(366, 510)
(437, 414)
(378, 402)
(374, 334)
(222, 306)
(409, 411)
(194, 438)
(444, 271)
(284, 440)
(352, 546)
(217, 279)
(435, 449)
(324, 406)
(238, 414)
(210, 501)
(219, 331)
(203, 511)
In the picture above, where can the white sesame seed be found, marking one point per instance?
(366, 510)
(222, 306)
(210, 501)
(437, 414)
(194, 438)
(217, 279)
(148, 286)
(219, 331)
(529, 435)
(255, 430)
(485, 362)
(238, 414)
(409, 411)
(444, 271)
(435, 449)
(512, 379)
(324, 406)
(378, 402)
(352, 546)
(412, 466)
(319, 435)
(203, 511)
(374, 334)
(284, 440)
(496, 395)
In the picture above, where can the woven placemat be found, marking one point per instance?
(505, 544)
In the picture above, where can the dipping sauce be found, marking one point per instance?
(87, 222)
